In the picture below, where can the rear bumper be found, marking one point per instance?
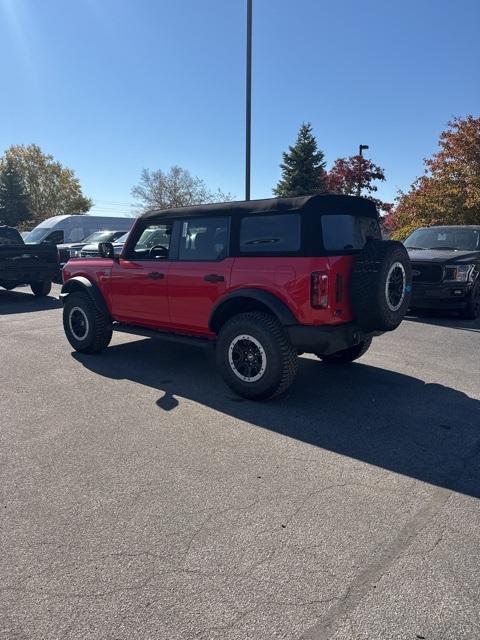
(326, 339)
(28, 276)
(440, 296)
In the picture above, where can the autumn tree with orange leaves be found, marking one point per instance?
(449, 192)
(356, 173)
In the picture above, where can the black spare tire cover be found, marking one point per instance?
(381, 285)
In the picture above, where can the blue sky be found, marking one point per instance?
(111, 86)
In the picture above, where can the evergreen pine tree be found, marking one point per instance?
(14, 207)
(303, 167)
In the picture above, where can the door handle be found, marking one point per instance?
(213, 277)
(155, 275)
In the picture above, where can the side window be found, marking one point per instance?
(77, 234)
(204, 238)
(275, 233)
(153, 243)
(56, 237)
(346, 232)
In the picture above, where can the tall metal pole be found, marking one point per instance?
(248, 102)
(361, 147)
(360, 150)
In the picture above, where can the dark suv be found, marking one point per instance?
(262, 281)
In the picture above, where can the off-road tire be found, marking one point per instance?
(280, 358)
(472, 310)
(371, 308)
(98, 332)
(347, 355)
(41, 289)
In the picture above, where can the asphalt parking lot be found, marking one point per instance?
(142, 500)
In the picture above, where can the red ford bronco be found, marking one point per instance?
(262, 281)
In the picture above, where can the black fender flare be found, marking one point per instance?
(276, 306)
(80, 283)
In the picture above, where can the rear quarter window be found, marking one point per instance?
(10, 236)
(270, 233)
(345, 232)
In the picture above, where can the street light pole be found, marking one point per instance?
(361, 147)
(248, 102)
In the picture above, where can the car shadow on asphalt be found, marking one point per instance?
(451, 320)
(20, 302)
(400, 423)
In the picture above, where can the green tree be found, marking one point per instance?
(51, 189)
(13, 201)
(175, 188)
(303, 167)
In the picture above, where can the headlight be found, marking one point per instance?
(74, 253)
(458, 273)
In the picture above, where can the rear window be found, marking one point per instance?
(345, 232)
(270, 233)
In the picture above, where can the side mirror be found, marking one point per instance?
(106, 250)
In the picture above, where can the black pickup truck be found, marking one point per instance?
(20, 263)
(446, 268)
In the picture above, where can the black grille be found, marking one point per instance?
(426, 272)
(64, 255)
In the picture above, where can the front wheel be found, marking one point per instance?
(472, 310)
(347, 355)
(41, 289)
(255, 356)
(86, 328)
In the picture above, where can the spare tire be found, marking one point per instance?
(381, 285)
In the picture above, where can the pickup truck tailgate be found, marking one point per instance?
(28, 263)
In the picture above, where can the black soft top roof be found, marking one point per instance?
(323, 203)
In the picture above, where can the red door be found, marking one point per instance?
(201, 274)
(194, 288)
(139, 280)
(138, 292)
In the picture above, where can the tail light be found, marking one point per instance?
(319, 290)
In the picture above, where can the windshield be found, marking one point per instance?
(444, 238)
(122, 238)
(37, 235)
(103, 236)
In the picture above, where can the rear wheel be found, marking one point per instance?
(347, 355)
(41, 289)
(86, 328)
(255, 356)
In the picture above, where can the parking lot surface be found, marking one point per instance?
(141, 499)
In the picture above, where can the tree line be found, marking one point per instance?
(34, 186)
(303, 173)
